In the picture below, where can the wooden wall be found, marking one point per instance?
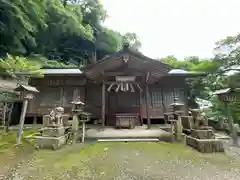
(160, 98)
(61, 90)
(55, 91)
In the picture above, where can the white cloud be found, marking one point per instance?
(174, 27)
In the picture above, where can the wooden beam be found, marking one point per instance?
(162, 96)
(186, 107)
(103, 103)
(147, 77)
(61, 96)
(147, 106)
(123, 73)
(140, 107)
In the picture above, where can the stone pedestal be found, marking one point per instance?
(205, 145)
(53, 137)
(53, 132)
(50, 142)
(56, 131)
(202, 134)
(203, 141)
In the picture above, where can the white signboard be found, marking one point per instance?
(125, 78)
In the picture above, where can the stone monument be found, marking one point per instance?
(53, 132)
(201, 135)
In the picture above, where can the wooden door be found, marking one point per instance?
(121, 102)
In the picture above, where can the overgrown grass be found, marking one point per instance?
(7, 140)
(10, 153)
(101, 159)
(102, 156)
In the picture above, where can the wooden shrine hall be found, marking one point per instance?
(124, 89)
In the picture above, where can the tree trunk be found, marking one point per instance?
(147, 106)
(4, 116)
(231, 126)
(9, 119)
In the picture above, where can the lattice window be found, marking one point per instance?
(50, 96)
(156, 96)
(179, 93)
(94, 95)
(168, 96)
(68, 93)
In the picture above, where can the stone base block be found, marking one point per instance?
(205, 145)
(53, 131)
(50, 142)
(202, 133)
(46, 120)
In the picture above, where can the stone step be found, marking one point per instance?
(221, 136)
(129, 140)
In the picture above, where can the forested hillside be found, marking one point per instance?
(66, 31)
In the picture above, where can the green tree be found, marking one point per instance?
(20, 21)
(133, 40)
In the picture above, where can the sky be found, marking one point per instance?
(175, 27)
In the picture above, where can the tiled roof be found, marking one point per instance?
(62, 71)
(180, 71)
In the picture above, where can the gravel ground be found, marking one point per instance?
(128, 161)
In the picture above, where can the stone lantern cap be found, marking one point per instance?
(77, 101)
(226, 91)
(195, 110)
(27, 88)
(176, 103)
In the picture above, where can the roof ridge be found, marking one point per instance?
(60, 68)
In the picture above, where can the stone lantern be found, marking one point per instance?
(176, 108)
(27, 93)
(176, 123)
(77, 106)
(228, 96)
(77, 109)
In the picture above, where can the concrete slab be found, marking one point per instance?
(138, 132)
(129, 140)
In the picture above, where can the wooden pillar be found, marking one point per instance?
(147, 105)
(85, 92)
(163, 105)
(22, 119)
(162, 96)
(61, 97)
(34, 120)
(186, 107)
(140, 107)
(103, 103)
